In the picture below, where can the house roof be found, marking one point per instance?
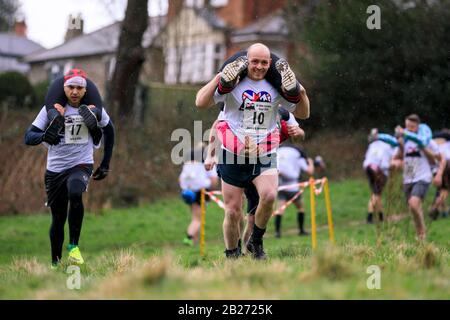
(104, 40)
(13, 64)
(273, 26)
(12, 45)
(211, 18)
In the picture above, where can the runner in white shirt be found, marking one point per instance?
(417, 175)
(376, 165)
(250, 112)
(291, 162)
(193, 179)
(70, 158)
(288, 127)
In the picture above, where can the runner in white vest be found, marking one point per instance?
(417, 175)
(250, 112)
(193, 178)
(292, 161)
(376, 165)
(69, 137)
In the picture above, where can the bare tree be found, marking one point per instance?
(130, 57)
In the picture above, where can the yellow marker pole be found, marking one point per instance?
(329, 212)
(202, 224)
(313, 212)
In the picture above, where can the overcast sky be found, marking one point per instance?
(47, 19)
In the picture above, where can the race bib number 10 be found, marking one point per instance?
(76, 131)
(257, 115)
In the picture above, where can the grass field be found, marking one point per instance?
(137, 254)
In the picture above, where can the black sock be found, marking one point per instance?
(189, 236)
(258, 233)
(370, 217)
(434, 213)
(301, 221)
(278, 223)
(232, 253)
(380, 216)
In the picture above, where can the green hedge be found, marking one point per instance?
(16, 90)
(40, 90)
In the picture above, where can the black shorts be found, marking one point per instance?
(56, 183)
(198, 197)
(240, 171)
(377, 181)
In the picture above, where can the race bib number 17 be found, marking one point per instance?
(76, 131)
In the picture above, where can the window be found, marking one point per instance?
(194, 3)
(55, 71)
(219, 54)
(201, 3)
(68, 66)
(218, 3)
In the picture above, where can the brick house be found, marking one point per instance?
(200, 34)
(194, 45)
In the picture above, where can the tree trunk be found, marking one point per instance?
(129, 59)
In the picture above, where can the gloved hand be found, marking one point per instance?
(100, 173)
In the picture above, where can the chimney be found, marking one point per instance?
(74, 27)
(240, 13)
(20, 28)
(175, 7)
(258, 9)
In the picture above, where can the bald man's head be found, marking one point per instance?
(258, 48)
(259, 61)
